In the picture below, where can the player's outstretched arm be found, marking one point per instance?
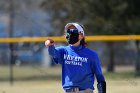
(53, 52)
(49, 43)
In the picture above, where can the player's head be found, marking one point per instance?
(74, 33)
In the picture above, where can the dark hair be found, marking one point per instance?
(83, 42)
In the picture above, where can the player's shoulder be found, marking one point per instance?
(90, 51)
(91, 54)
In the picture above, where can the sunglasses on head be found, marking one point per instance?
(70, 31)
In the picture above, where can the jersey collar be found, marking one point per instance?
(76, 48)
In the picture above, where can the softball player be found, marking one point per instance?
(79, 63)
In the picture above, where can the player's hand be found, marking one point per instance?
(49, 42)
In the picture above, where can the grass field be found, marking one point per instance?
(48, 80)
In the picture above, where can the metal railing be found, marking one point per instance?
(62, 38)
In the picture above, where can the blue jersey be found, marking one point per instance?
(79, 66)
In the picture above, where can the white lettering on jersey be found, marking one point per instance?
(74, 60)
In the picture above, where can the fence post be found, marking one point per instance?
(11, 28)
(111, 63)
(137, 63)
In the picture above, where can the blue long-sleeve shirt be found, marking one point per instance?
(79, 65)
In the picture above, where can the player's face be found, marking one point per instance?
(81, 36)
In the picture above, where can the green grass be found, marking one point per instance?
(21, 73)
(54, 86)
(34, 79)
(42, 73)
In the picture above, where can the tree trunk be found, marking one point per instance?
(111, 63)
(137, 63)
